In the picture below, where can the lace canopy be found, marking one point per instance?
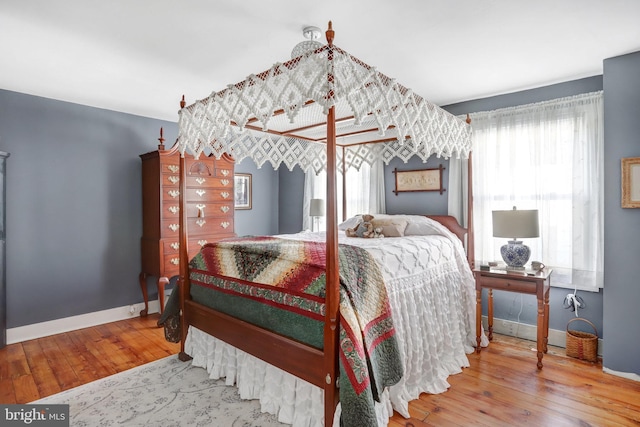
(279, 116)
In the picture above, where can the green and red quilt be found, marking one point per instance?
(279, 284)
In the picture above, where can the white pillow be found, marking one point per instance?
(418, 225)
(421, 226)
(350, 223)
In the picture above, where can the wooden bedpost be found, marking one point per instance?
(183, 281)
(470, 237)
(332, 302)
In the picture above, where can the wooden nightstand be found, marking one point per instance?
(514, 281)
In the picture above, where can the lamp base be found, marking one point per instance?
(515, 254)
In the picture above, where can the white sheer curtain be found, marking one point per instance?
(458, 190)
(546, 156)
(365, 192)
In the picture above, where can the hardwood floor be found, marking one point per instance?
(38, 368)
(502, 387)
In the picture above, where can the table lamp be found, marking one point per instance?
(515, 224)
(316, 210)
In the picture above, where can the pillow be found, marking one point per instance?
(421, 226)
(350, 223)
(390, 227)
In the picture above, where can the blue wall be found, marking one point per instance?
(622, 226)
(291, 194)
(74, 206)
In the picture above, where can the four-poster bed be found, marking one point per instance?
(294, 113)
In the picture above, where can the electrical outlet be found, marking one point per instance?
(132, 310)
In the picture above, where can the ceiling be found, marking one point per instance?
(140, 57)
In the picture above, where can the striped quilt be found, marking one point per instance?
(288, 277)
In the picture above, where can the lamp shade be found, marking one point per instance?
(316, 207)
(516, 223)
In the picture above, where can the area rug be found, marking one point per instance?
(163, 393)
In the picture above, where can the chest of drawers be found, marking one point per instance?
(209, 205)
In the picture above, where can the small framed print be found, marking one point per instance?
(242, 191)
(631, 182)
(419, 180)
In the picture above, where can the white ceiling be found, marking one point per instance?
(140, 56)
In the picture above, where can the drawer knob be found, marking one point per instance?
(174, 209)
(175, 261)
(201, 222)
(202, 242)
(173, 179)
(224, 182)
(201, 210)
(200, 180)
(224, 209)
(224, 172)
(173, 193)
(174, 227)
(225, 194)
(175, 246)
(224, 224)
(200, 192)
(173, 168)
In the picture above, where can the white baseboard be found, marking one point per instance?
(557, 337)
(58, 326)
(628, 375)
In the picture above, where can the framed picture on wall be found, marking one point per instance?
(242, 191)
(419, 180)
(631, 182)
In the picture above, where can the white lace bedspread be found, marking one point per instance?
(432, 295)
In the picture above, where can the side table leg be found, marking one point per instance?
(540, 345)
(546, 321)
(143, 285)
(490, 313)
(478, 319)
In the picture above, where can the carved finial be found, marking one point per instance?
(182, 102)
(330, 33)
(468, 119)
(161, 139)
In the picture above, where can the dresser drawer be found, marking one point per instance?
(172, 246)
(209, 194)
(171, 265)
(209, 182)
(209, 210)
(508, 284)
(171, 194)
(170, 181)
(223, 171)
(171, 210)
(210, 226)
(198, 226)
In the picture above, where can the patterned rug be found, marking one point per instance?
(163, 393)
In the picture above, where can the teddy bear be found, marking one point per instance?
(364, 228)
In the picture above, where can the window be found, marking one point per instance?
(365, 192)
(546, 156)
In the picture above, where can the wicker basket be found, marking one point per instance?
(582, 345)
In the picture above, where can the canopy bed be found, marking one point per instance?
(324, 110)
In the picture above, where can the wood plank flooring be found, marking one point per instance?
(502, 387)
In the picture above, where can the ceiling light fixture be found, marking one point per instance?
(312, 34)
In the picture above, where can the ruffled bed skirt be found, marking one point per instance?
(293, 400)
(435, 325)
